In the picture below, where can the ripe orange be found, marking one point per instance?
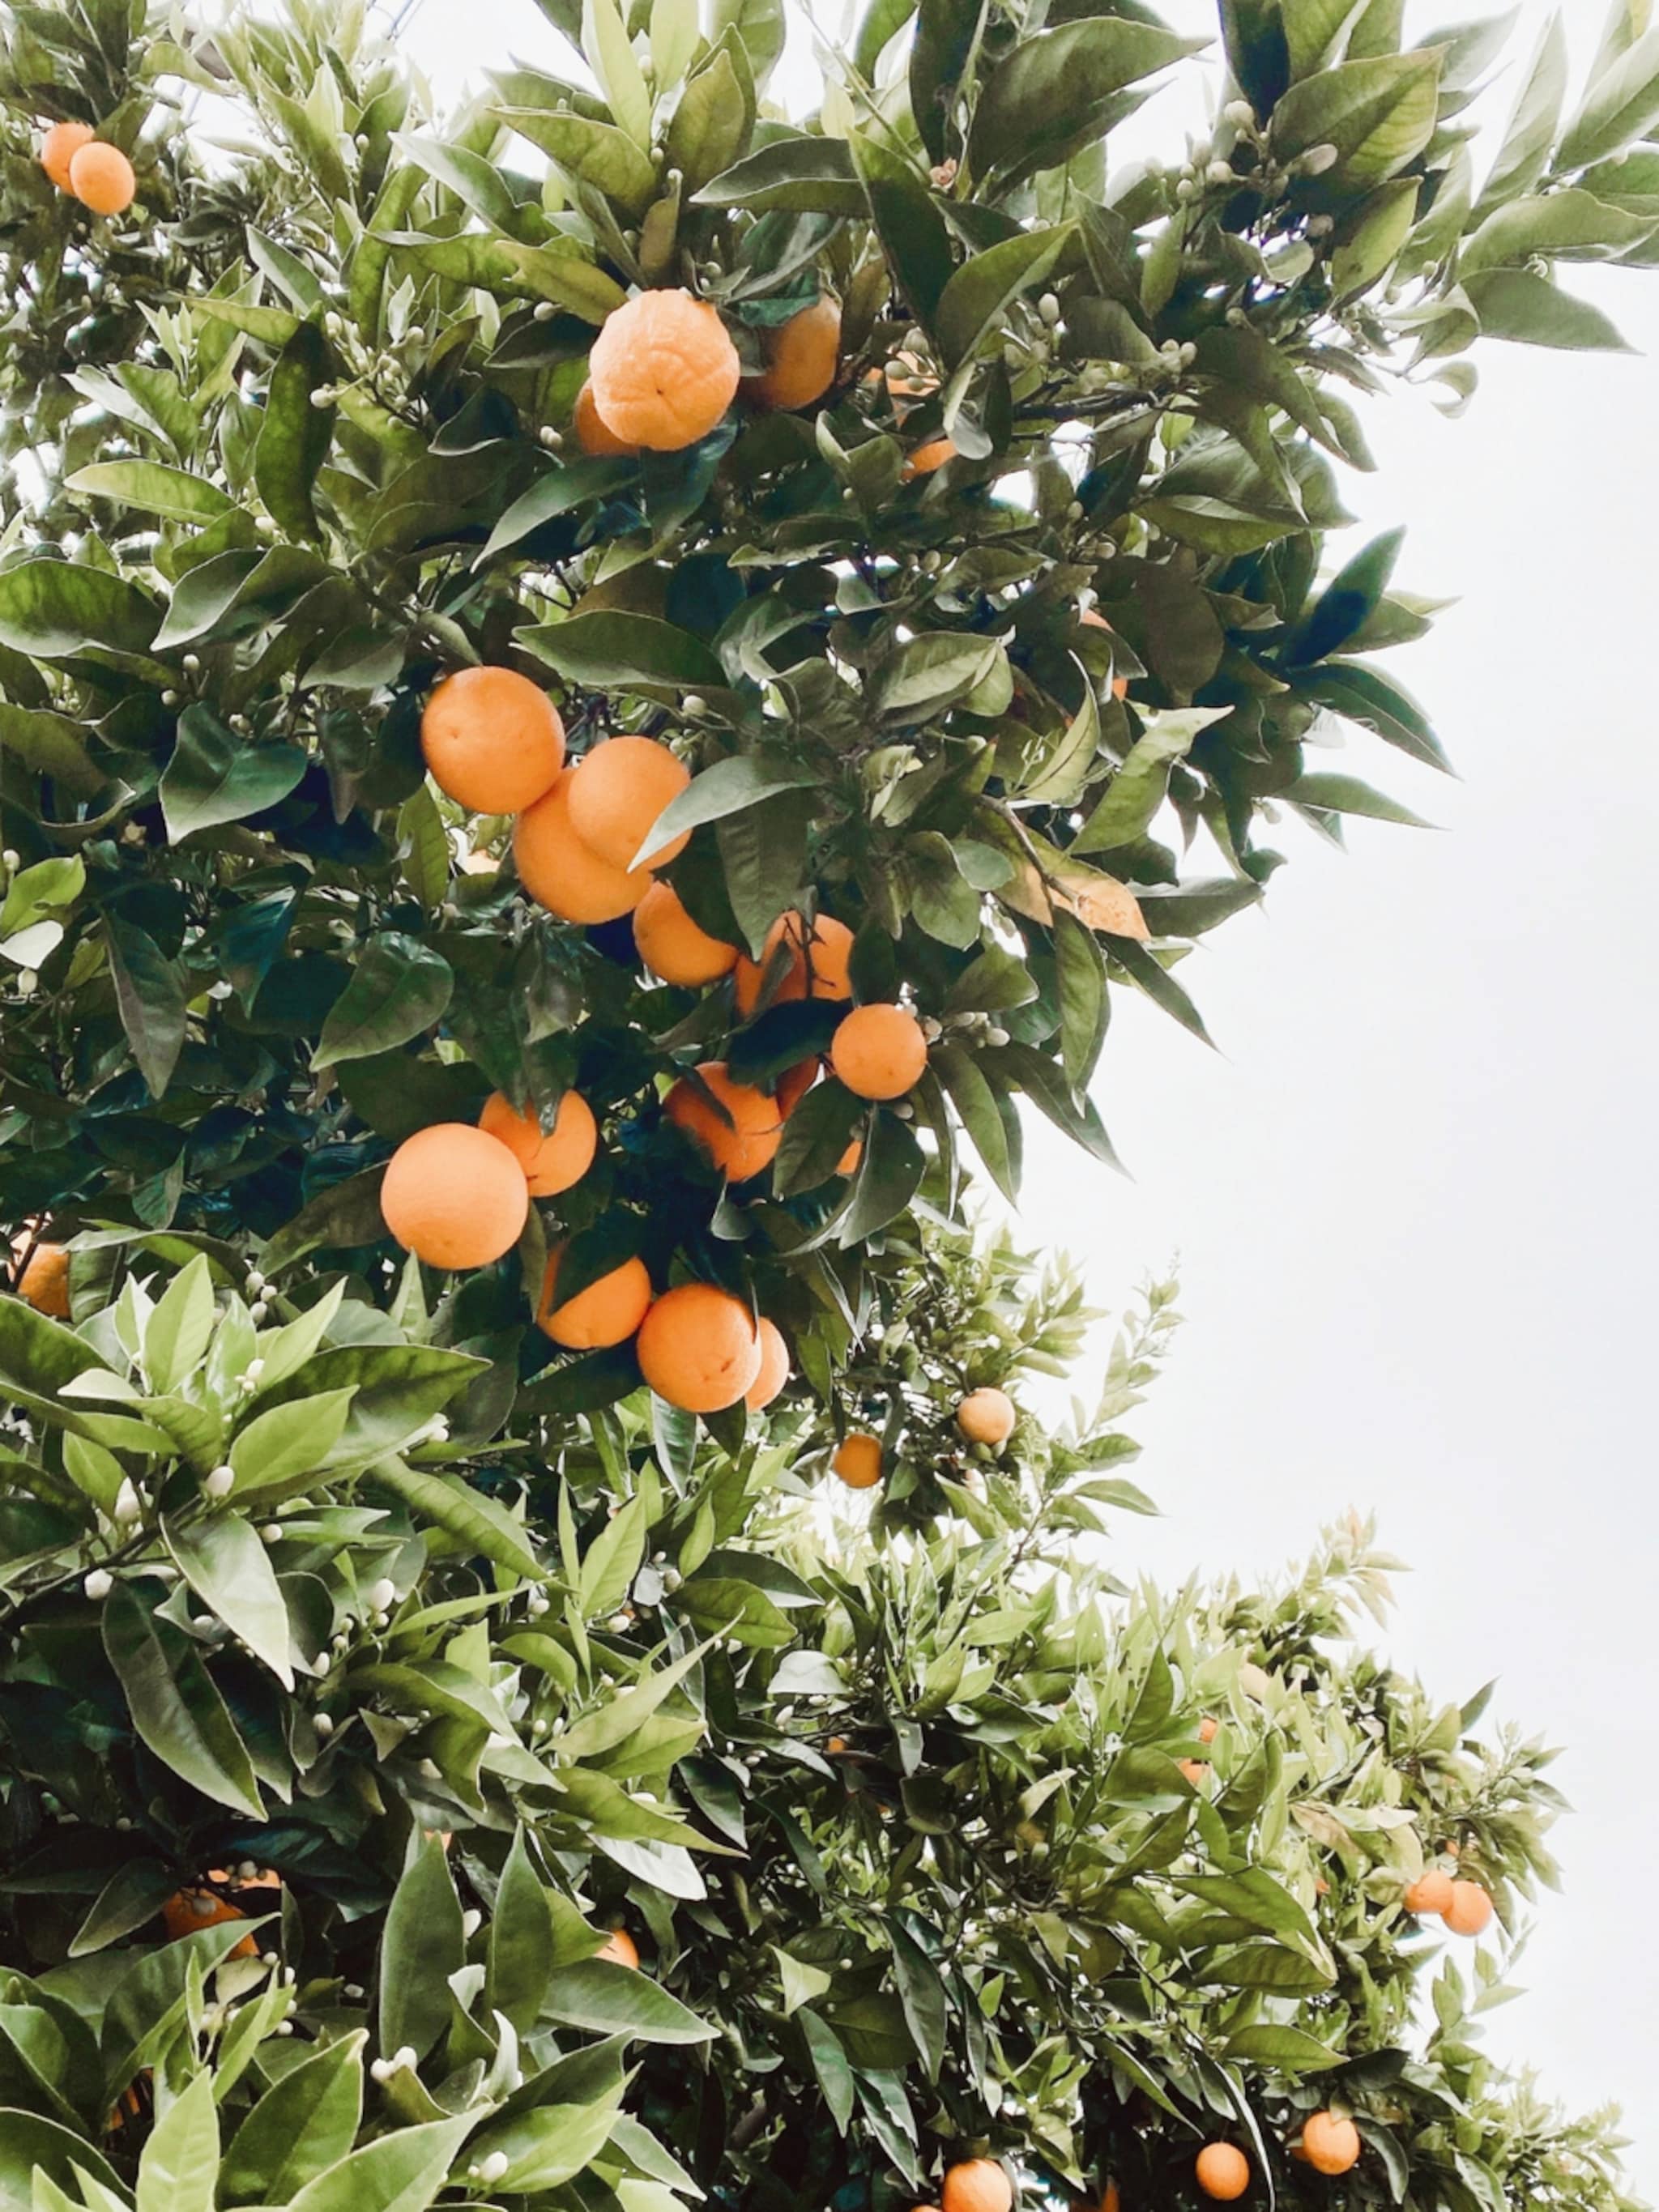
(740, 1146)
(551, 1160)
(100, 178)
(1109, 2200)
(59, 148)
(45, 1282)
(700, 1348)
(607, 1312)
(857, 1460)
(879, 1051)
(1208, 1728)
(1223, 2172)
(1330, 2145)
(928, 458)
(1429, 1893)
(774, 1368)
(986, 1417)
(978, 2184)
(455, 1196)
(620, 1948)
(561, 873)
(817, 957)
(663, 370)
(492, 740)
(801, 358)
(187, 1912)
(671, 945)
(1470, 1911)
(1195, 1769)
(617, 792)
(593, 433)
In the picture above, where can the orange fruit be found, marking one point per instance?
(1429, 1893)
(858, 1460)
(561, 873)
(801, 358)
(818, 958)
(492, 739)
(848, 1162)
(700, 1348)
(45, 1281)
(187, 1912)
(740, 1141)
(1109, 2200)
(620, 1948)
(879, 1051)
(616, 793)
(978, 2184)
(1195, 1769)
(926, 457)
(663, 370)
(607, 1312)
(1469, 1912)
(100, 178)
(1223, 2172)
(1208, 1728)
(774, 1368)
(671, 945)
(455, 1196)
(59, 148)
(593, 433)
(552, 1159)
(1330, 2145)
(986, 1417)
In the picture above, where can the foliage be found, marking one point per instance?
(316, 1565)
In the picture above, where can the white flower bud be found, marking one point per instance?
(403, 2059)
(191, 664)
(471, 1922)
(169, 698)
(252, 1371)
(380, 2070)
(28, 982)
(285, 2027)
(1074, 510)
(694, 703)
(247, 1871)
(1318, 159)
(271, 1533)
(220, 1482)
(97, 1585)
(323, 396)
(323, 1723)
(381, 1593)
(1240, 114)
(1221, 173)
(258, 1311)
(128, 1503)
(11, 861)
(547, 436)
(354, 1993)
(542, 312)
(1048, 309)
(493, 2166)
(1186, 189)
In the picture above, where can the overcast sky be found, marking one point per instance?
(1414, 1194)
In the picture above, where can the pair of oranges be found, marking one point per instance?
(699, 1347)
(984, 1417)
(663, 372)
(79, 161)
(459, 1196)
(1465, 1906)
(1329, 2142)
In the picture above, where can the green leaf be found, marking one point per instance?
(594, 477)
(947, 34)
(830, 2063)
(1379, 114)
(888, 1178)
(1574, 225)
(1346, 603)
(1345, 794)
(176, 1334)
(233, 591)
(286, 1441)
(51, 745)
(729, 787)
(153, 487)
(304, 2123)
(216, 776)
(1377, 703)
(402, 2172)
(399, 989)
(58, 608)
(610, 56)
(1257, 51)
(520, 1941)
(928, 673)
(294, 434)
(175, 1705)
(1054, 90)
(613, 2000)
(763, 851)
(228, 1566)
(422, 1946)
(549, 2145)
(150, 998)
(759, 25)
(1620, 105)
(909, 224)
(31, 2145)
(1085, 1006)
(134, 1894)
(478, 1523)
(1523, 152)
(1142, 783)
(180, 2163)
(976, 1103)
(815, 1136)
(589, 153)
(805, 175)
(610, 648)
(1312, 31)
(475, 181)
(1517, 304)
(1285, 2050)
(975, 303)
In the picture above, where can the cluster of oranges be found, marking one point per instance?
(983, 1417)
(1465, 1908)
(78, 161)
(1329, 2142)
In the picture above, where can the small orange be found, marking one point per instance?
(187, 1912)
(986, 1417)
(1429, 1893)
(977, 2184)
(836, 1746)
(926, 457)
(801, 357)
(673, 946)
(616, 793)
(1330, 2145)
(561, 873)
(774, 1368)
(848, 1162)
(552, 1159)
(1110, 2199)
(620, 1948)
(700, 1349)
(1195, 1771)
(663, 370)
(59, 148)
(593, 433)
(101, 177)
(45, 1282)
(1223, 2172)
(1208, 1728)
(857, 1460)
(455, 1196)
(492, 740)
(818, 954)
(1470, 1911)
(609, 1311)
(739, 1127)
(879, 1051)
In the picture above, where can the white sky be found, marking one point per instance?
(1415, 1197)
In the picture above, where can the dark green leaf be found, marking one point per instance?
(216, 776)
(295, 435)
(399, 989)
(150, 997)
(175, 1705)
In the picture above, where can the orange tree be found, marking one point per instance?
(590, 693)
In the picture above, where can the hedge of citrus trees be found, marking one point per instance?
(597, 698)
